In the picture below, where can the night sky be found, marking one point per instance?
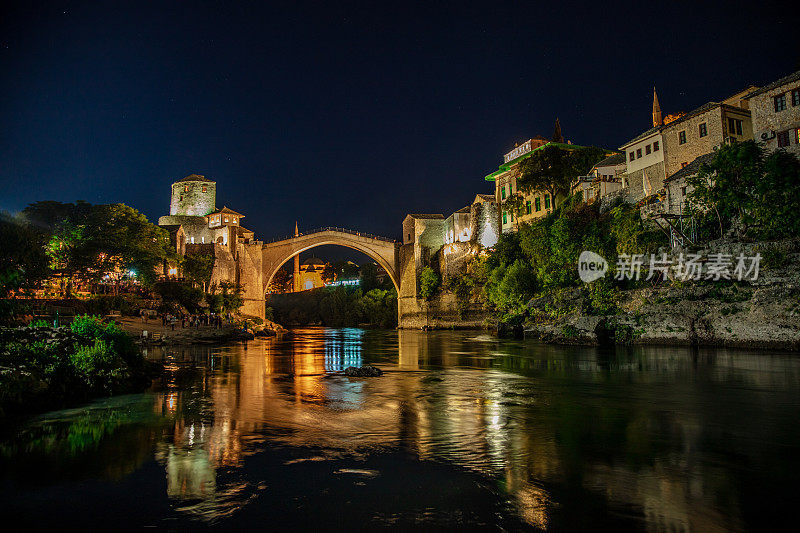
(346, 115)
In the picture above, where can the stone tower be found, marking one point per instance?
(557, 137)
(194, 195)
(296, 273)
(657, 121)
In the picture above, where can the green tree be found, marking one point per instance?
(23, 261)
(198, 268)
(554, 168)
(428, 283)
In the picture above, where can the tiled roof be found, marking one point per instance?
(196, 177)
(425, 215)
(692, 168)
(708, 106)
(644, 135)
(775, 84)
(616, 159)
(226, 211)
(463, 210)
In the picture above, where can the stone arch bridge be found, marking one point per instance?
(385, 252)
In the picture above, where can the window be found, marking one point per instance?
(505, 219)
(528, 207)
(783, 139)
(683, 191)
(734, 126)
(538, 204)
(632, 156)
(655, 146)
(795, 97)
(205, 189)
(780, 102)
(234, 220)
(185, 188)
(797, 135)
(547, 201)
(503, 192)
(638, 153)
(647, 150)
(409, 237)
(682, 137)
(226, 219)
(703, 129)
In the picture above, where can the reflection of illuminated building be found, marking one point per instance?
(343, 349)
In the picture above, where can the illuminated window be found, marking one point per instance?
(547, 201)
(682, 137)
(795, 97)
(226, 219)
(638, 153)
(655, 146)
(647, 150)
(505, 219)
(797, 135)
(185, 188)
(783, 139)
(780, 102)
(205, 189)
(234, 220)
(632, 156)
(538, 204)
(528, 207)
(503, 193)
(703, 129)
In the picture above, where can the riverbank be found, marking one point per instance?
(166, 335)
(761, 314)
(44, 367)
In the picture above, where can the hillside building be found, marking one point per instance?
(775, 110)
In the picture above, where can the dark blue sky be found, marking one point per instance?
(350, 114)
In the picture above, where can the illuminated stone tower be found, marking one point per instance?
(194, 195)
(657, 121)
(296, 273)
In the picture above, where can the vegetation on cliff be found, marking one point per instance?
(335, 307)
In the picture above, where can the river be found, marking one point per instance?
(462, 430)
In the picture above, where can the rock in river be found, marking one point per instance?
(363, 372)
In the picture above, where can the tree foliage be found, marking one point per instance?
(553, 169)
(23, 262)
(746, 189)
(199, 267)
(428, 283)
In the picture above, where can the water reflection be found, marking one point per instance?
(551, 436)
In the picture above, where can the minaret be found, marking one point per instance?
(656, 110)
(296, 274)
(557, 137)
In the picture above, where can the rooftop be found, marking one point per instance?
(692, 168)
(616, 159)
(226, 211)
(196, 177)
(425, 215)
(505, 167)
(775, 84)
(644, 135)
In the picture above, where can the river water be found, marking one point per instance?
(462, 430)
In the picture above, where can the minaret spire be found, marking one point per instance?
(557, 137)
(657, 121)
(296, 272)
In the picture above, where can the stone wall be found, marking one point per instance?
(193, 202)
(767, 120)
(635, 189)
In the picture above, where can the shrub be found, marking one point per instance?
(99, 367)
(428, 283)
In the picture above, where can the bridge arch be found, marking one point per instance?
(382, 251)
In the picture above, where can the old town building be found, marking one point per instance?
(775, 110)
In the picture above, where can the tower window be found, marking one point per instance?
(185, 188)
(205, 189)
